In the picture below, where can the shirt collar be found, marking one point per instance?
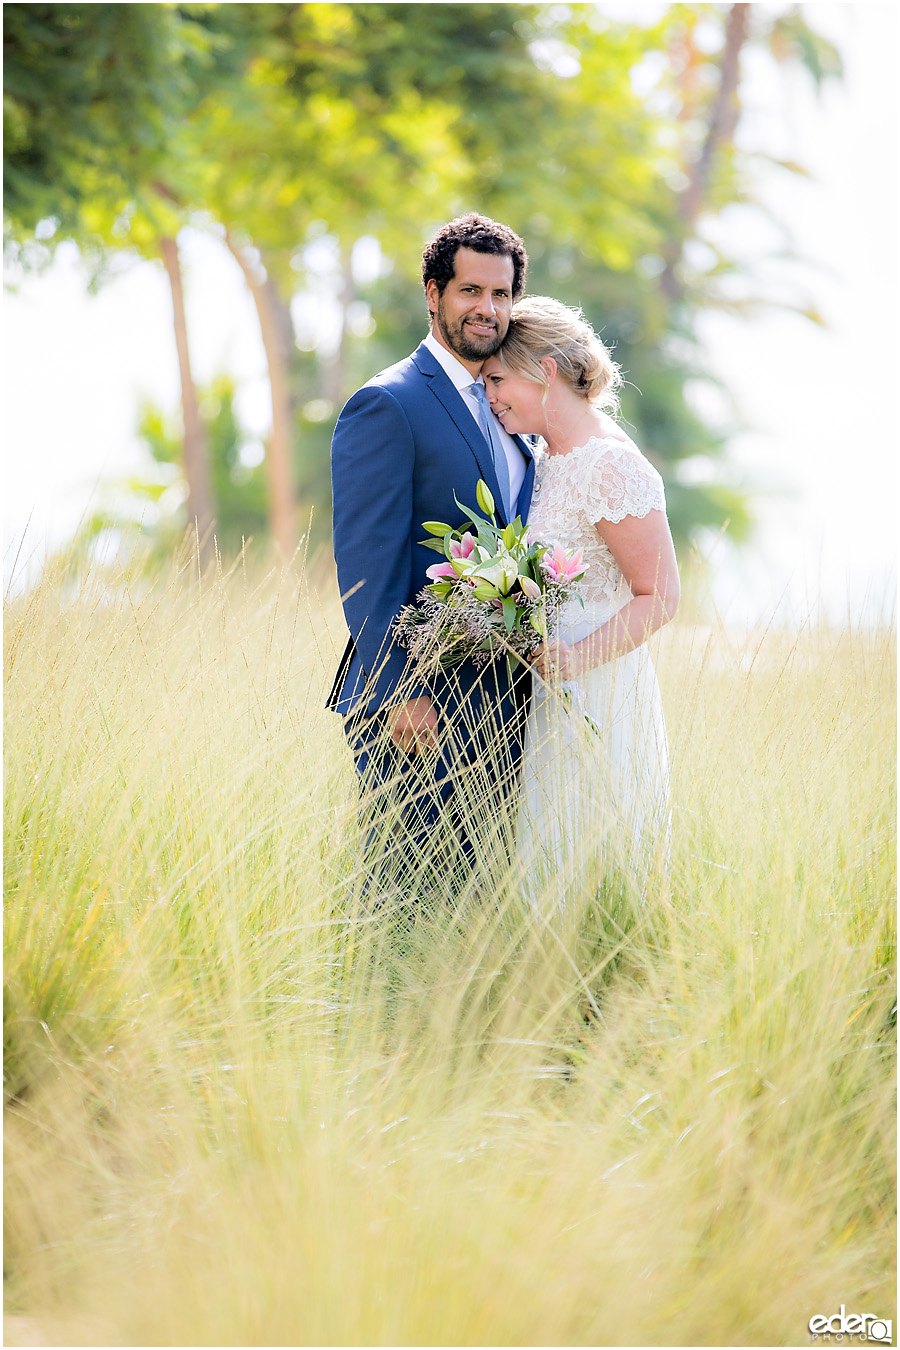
(457, 372)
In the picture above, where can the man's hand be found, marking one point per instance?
(414, 725)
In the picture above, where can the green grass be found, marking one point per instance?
(243, 1108)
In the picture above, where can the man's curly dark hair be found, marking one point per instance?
(482, 235)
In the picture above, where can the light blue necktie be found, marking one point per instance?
(492, 436)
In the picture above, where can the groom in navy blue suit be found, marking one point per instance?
(408, 443)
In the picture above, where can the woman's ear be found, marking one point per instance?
(549, 367)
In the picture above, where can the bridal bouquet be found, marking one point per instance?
(496, 591)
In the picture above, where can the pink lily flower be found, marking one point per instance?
(440, 572)
(561, 567)
(464, 548)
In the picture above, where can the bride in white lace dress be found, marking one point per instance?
(596, 778)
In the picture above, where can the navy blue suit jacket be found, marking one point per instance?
(403, 445)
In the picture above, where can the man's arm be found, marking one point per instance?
(373, 462)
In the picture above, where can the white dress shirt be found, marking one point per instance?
(463, 381)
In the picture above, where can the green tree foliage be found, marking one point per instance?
(155, 500)
(94, 96)
(608, 145)
(592, 174)
(97, 98)
(237, 475)
(374, 133)
(640, 284)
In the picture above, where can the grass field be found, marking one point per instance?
(243, 1109)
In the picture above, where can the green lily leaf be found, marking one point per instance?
(477, 520)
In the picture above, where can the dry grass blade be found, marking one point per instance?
(248, 1105)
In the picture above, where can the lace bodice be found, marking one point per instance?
(604, 479)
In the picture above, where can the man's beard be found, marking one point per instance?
(469, 347)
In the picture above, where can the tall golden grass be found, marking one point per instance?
(247, 1107)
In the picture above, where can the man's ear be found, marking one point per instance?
(432, 295)
(549, 367)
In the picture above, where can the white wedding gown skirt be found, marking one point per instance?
(595, 786)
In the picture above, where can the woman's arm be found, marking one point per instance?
(642, 546)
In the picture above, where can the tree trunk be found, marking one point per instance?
(334, 374)
(279, 456)
(723, 120)
(723, 116)
(196, 450)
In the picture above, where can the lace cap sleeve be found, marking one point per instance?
(618, 481)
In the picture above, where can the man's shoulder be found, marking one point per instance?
(404, 375)
(402, 390)
(398, 389)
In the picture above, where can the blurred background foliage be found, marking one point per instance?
(322, 144)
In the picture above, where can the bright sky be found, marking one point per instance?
(819, 405)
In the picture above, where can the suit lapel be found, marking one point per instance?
(452, 401)
(523, 501)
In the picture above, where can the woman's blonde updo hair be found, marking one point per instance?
(541, 327)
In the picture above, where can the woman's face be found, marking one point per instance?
(517, 402)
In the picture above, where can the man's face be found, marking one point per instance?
(472, 315)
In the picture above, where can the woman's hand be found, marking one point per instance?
(556, 661)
